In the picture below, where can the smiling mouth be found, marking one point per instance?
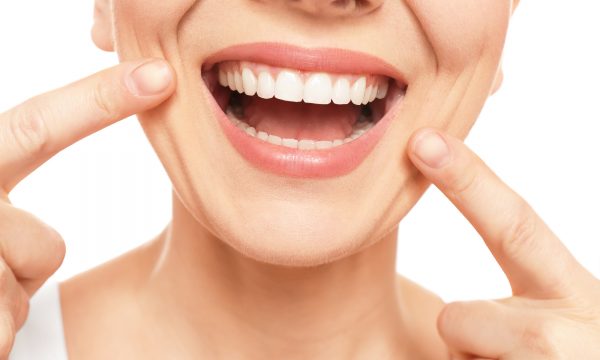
(300, 109)
(302, 112)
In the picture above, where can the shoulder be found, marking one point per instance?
(94, 301)
(420, 309)
(42, 335)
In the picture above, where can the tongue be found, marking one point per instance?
(300, 120)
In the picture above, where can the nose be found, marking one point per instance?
(335, 8)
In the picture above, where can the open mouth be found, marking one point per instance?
(314, 113)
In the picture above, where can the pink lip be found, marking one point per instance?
(284, 161)
(313, 59)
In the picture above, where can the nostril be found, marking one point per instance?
(352, 3)
(342, 3)
(337, 7)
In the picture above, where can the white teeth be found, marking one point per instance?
(357, 93)
(239, 85)
(318, 89)
(373, 93)
(359, 129)
(383, 89)
(266, 85)
(291, 143)
(262, 135)
(295, 86)
(249, 81)
(306, 144)
(357, 132)
(231, 80)
(273, 139)
(323, 144)
(223, 78)
(289, 86)
(341, 92)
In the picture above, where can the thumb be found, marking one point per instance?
(483, 329)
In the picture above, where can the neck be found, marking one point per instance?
(243, 306)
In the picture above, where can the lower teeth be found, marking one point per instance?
(359, 128)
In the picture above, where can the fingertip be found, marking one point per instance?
(429, 148)
(445, 319)
(150, 79)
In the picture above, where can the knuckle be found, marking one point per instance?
(462, 183)
(101, 97)
(28, 128)
(520, 235)
(541, 337)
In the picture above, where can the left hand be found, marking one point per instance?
(554, 312)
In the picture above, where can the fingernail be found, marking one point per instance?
(431, 149)
(151, 78)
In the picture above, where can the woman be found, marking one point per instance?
(281, 248)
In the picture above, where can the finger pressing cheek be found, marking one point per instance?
(518, 238)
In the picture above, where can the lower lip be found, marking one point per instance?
(309, 164)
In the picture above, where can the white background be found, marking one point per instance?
(109, 193)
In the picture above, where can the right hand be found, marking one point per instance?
(33, 132)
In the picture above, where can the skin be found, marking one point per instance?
(321, 282)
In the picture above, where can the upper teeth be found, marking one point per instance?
(295, 86)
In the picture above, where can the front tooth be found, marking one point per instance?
(341, 92)
(266, 85)
(239, 85)
(289, 86)
(318, 89)
(249, 81)
(222, 78)
(357, 93)
(383, 89)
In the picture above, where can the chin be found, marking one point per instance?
(293, 236)
(285, 241)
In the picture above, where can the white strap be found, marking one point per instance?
(42, 335)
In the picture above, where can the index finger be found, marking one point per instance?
(535, 261)
(34, 131)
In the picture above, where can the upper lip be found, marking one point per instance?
(331, 60)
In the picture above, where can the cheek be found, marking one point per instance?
(463, 31)
(143, 25)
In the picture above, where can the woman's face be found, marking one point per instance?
(297, 207)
